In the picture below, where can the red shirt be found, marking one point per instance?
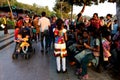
(19, 23)
(95, 23)
(16, 33)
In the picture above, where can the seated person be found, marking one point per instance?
(18, 41)
(24, 45)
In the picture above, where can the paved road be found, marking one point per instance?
(39, 67)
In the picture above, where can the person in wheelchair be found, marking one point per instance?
(22, 44)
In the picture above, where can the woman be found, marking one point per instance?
(60, 51)
(95, 21)
(35, 24)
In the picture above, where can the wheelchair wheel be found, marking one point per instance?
(26, 56)
(15, 56)
(34, 51)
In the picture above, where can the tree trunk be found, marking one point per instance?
(118, 11)
(71, 12)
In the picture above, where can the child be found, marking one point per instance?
(24, 45)
(18, 41)
(60, 51)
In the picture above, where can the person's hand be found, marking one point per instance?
(86, 46)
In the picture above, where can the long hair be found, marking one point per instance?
(59, 23)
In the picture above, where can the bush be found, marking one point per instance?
(10, 24)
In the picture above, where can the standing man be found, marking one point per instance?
(5, 24)
(44, 24)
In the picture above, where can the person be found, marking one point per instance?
(116, 40)
(106, 48)
(115, 28)
(18, 43)
(67, 23)
(60, 51)
(24, 45)
(53, 25)
(19, 22)
(44, 24)
(25, 31)
(79, 21)
(16, 32)
(108, 22)
(92, 52)
(84, 40)
(35, 24)
(4, 22)
(34, 37)
(95, 21)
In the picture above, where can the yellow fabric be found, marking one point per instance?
(24, 44)
(4, 21)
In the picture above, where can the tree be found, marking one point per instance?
(62, 9)
(95, 2)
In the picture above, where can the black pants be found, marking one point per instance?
(45, 35)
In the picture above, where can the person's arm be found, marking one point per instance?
(65, 34)
(76, 37)
(83, 8)
(39, 22)
(109, 23)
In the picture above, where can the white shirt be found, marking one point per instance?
(44, 24)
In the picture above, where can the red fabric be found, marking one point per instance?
(95, 23)
(16, 33)
(19, 23)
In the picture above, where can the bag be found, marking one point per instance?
(2, 25)
(82, 54)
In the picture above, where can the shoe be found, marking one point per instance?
(42, 50)
(64, 71)
(46, 51)
(72, 63)
(85, 76)
(78, 72)
(58, 71)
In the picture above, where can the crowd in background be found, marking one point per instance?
(95, 41)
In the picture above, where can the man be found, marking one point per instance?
(5, 25)
(44, 24)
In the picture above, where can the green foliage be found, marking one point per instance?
(25, 7)
(10, 24)
(62, 9)
(87, 2)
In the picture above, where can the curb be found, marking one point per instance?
(3, 46)
(8, 42)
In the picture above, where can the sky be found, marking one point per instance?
(102, 9)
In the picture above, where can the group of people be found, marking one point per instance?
(95, 41)
(43, 28)
(83, 42)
